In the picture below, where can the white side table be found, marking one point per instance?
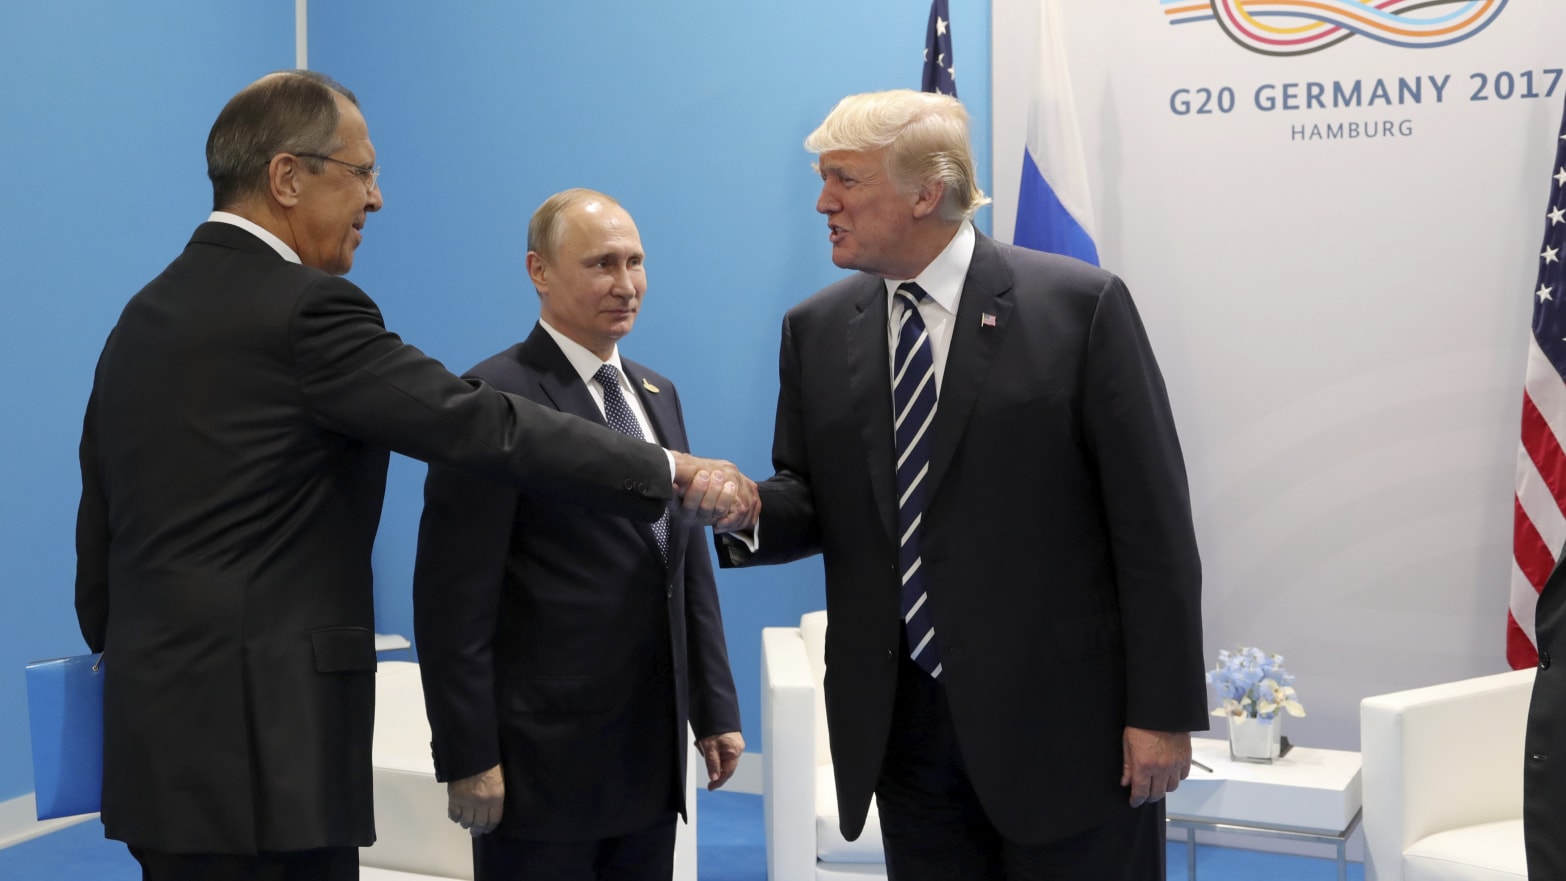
(1308, 795)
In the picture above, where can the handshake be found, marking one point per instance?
(714, 492)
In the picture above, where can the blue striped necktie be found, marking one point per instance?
(620, 418)
(913, 409)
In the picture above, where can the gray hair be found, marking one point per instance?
(543, 231)
(927, 137)
(288, 111)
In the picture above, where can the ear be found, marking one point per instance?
(927, 200)
(538, 271)
(285, 179)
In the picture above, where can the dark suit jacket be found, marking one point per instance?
(1058, 550)
(233, 463)
(1544, 765)
(555, 641)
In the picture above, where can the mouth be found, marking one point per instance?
(835, 233)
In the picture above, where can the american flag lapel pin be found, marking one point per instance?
(986, 319)
(649, 386)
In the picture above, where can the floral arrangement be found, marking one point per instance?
(1253, 685)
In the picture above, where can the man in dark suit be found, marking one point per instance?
(564, 650)
(987, 462)
(233, 461)
(1544, 768)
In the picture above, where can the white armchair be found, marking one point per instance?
(799, 795)
(1443, 769)
(413, 834)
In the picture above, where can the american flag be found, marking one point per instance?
(940, 74)
(1539, 528)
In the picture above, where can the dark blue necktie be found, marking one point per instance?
(620, 418)
(913, 409)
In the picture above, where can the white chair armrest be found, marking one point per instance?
(788, 765)
(1439, 758)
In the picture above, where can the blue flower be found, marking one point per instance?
(1252, 684)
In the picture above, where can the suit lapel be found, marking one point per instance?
(564, 388)
(557, 379)
(986, 295)
(870, 393)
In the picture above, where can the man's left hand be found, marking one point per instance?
(1154, 762)
(722, 752)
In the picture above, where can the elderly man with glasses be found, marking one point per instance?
(233, 460)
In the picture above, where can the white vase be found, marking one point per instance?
(1254, 740)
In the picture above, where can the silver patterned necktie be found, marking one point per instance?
(913, 410)
(620, 418)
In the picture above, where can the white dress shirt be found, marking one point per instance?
(942, 280)
(586, 365)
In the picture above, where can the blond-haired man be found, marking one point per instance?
(977, 439)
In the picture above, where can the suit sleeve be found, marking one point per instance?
(464, 541)
(92, 539)
(1129, 431)
(788, 530)
(362, 381)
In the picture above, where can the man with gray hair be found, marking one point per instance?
(977, 439)
(233, 460)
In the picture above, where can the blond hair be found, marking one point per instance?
(926, 136)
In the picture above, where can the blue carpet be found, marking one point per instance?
(731, 847)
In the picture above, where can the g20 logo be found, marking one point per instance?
(1299, 27)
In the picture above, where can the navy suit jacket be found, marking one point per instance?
(555, 641)
(1058, 550)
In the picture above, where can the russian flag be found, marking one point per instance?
(1054, 206)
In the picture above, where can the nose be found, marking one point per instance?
(624, 278)
(826, 203)
(375, 200)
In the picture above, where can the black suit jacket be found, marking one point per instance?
(233, 464)
(1544, 768)
(555, 640)
(1058, 550)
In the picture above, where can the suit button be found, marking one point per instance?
(630, 483)
(669, 591)
(1544, 660)
(891, 655)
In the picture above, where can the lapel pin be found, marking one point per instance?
(649, 386)
(986, 319)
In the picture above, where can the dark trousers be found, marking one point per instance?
(325, 864)
(647, 855)
(934, 829)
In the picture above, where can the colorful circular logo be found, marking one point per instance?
(1299, 27)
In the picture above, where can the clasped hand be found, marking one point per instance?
(714, 492)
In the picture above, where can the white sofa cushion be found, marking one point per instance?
(831, 846)
(1487, 852)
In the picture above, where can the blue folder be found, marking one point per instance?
(65, 713)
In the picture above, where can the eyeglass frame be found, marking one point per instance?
(370, 176)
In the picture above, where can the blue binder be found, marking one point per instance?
(65, 713)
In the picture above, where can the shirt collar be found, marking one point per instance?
(585, 363)
(944, 277)
(256, 230)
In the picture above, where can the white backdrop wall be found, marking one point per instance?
(1342, 321)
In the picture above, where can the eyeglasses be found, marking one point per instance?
(367, 176)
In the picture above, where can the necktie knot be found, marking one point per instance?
(911, 292)
(608, 375)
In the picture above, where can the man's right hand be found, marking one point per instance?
(475, 803)
(713, 491)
